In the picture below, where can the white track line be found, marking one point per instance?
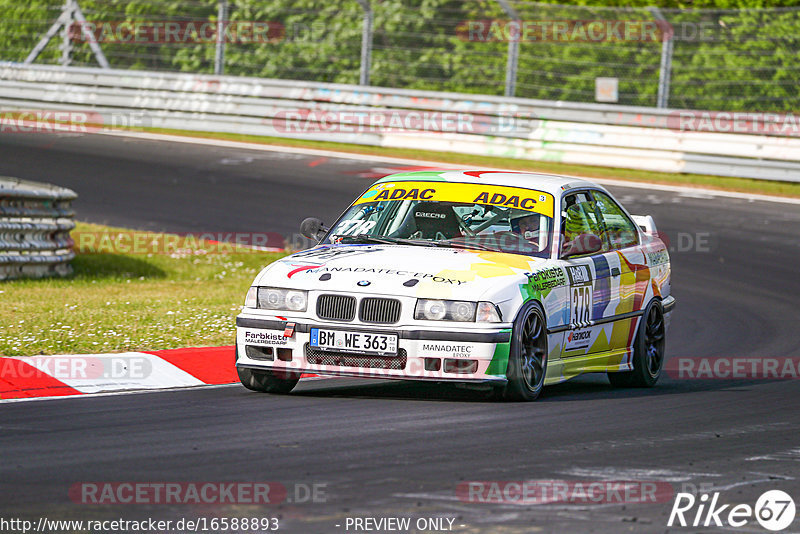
(403, 161)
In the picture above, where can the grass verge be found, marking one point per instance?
(744, 185)
(119, 302)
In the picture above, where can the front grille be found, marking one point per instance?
(344, 359)
(336, 307)
(381, 311)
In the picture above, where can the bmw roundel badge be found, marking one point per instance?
(363, 283)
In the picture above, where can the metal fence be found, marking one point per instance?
(50, 99)
(695, 59)
(35, 221)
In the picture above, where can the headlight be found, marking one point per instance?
(296, 300)
(462, 311)
(456, 310)
(274, 298)
(431, 310)
(251, 300)
(444, 310)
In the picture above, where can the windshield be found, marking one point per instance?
(472, 216)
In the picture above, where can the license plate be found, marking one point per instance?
(357, 342)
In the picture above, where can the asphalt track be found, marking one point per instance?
(398, 448)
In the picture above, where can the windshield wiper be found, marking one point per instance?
(451, 244)
(384, 240)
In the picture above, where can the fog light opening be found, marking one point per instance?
(285, 355)
(460, 366)
(259, 353)
(433, 364)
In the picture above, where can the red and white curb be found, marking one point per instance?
(86, 374)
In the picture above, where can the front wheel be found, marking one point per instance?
(648, 351)
(527, 358)
(268, 381)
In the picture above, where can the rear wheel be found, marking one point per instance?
(648, 351)
(527, 359)
(267, 381)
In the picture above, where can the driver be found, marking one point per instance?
(526, 225)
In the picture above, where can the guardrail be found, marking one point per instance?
(35, 221)
(568, 132)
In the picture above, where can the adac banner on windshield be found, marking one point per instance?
(490, 195)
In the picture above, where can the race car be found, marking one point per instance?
(498, 279)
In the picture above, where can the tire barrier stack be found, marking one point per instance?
(35, 221)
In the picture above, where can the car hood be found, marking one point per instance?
(402, 271)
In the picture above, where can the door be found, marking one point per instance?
(590, 285)
(630, 273)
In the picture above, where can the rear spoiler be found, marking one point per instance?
(646, 223)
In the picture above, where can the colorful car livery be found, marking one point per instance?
(507, 279)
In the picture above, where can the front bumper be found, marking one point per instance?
(471, 353)
(669, 305)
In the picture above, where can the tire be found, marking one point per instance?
(527, 358)
(648, 351)
(268, 381)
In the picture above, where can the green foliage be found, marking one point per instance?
(723, 59)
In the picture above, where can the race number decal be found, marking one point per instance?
(580, 279)
(581, 304)
(354, 227)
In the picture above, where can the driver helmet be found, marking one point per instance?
(526, 224)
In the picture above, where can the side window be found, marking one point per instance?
(578, 217)
(620, 230)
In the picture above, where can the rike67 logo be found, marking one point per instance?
(774, 510)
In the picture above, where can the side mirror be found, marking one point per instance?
(313, 228)
(582, 244)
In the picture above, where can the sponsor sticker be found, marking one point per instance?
(309, 269)
(449, 350)
(264, 337)
(548, 278)
(657, 257)
(579, 340)
(491, 195)
(579, 275)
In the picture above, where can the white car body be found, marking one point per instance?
(592, 303)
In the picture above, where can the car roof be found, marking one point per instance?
(549, 183)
